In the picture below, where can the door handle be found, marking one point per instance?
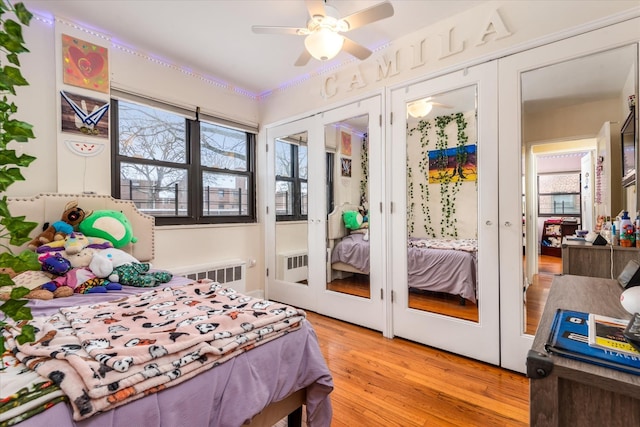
(507, 224)
(488, 223)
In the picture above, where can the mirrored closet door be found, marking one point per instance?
(354, 228)
(295, 199)
(561, 107)
(445, 217)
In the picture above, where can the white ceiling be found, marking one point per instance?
(214, 37)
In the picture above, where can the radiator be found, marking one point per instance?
(293, 266)
(231, 273)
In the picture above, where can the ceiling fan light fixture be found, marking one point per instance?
(419, 109)
(324, 44)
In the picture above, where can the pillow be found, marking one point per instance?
(352, 219)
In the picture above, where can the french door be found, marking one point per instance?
(294, 225)
(320, 167)
(444, 188)
(353, 135)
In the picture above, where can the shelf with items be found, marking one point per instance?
(553, 231)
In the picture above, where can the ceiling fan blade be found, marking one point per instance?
(259, 29)
(355, 49)
(303, 59)
(315, 7)
(437, 104)
(368, 15)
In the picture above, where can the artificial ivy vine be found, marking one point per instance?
(364, 163)
(450, 181)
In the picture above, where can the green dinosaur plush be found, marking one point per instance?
(352, 219)
(138, 274)
(111, 225)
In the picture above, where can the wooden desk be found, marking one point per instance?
(577, 393)
(581, 258)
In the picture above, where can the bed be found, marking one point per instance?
(434, 265)
(245, 382)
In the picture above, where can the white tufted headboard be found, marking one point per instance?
(49, 207)
(335, 224)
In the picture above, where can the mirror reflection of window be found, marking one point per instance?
(291, 201)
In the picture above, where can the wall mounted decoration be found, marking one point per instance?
(84, 115)
(85, 64)
(85, 149)
(445, 166)
(345, 166)
(345, 147)
(453, 164)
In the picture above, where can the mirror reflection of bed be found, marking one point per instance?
(441, 276)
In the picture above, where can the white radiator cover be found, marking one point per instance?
(230, 273)
(293, 266)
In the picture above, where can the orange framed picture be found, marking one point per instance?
(85, 64)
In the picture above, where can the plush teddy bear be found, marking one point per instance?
(118, 266)
(71, 218)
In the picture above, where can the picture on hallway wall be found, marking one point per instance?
(346, 144)
(453, 164)
(84, 115)
(346, 166)
(85, 64)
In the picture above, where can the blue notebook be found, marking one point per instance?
(569, 337)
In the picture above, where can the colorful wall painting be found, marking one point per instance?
(453, 164)
(85, 64)
(84, 115)
(346, 144)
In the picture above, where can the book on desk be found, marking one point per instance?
(569, 337)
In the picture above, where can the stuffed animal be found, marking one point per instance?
(352, 219)
(118, 266)
(103, 262)
(111, 225)
(71, 217)
(138, 275)
(74, 243)
(69, 279)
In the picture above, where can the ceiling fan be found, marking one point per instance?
(422, 107)
(323, 33)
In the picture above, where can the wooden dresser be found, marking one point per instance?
(584, 259)
(572, 393)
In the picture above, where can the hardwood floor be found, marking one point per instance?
(395, 382)
(536, 295)
(449, 305)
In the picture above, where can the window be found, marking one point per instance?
(559, 194)
(180, 169)
(291, 181)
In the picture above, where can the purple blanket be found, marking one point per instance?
(228, 395)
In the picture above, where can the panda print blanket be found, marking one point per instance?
(108, 354)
